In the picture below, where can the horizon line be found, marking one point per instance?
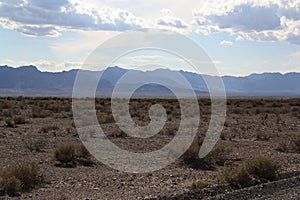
(226, 75)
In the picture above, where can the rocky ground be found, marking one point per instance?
(31, 129)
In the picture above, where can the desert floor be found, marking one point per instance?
(32, 129)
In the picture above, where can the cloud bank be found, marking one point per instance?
(268, 20)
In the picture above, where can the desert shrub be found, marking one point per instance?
(294, 103)
(36, 145)
(7, 113)
(13, 185)
(38, 113)
(65, 154)
(191, 155)
(217, 157)
(83, 152)
(9, 123)
(256, 170)
(237, 177)
(20, 177)
(19, 119)
(276, 104)
(283, 146)
(6, 105)
(262, 136)
(296, 144)
(46, 129)
(237, 111)
(222, 136)
(263, 168)
(54, 107)
(83, 156)
(199, 185)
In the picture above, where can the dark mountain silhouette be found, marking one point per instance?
(29, 81)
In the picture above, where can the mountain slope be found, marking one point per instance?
(28, 80)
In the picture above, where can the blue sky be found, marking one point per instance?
(240, 36)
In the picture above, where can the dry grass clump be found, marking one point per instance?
(262, 136)
(237, 177)
(264, 168)
(65, 154)
(289, 146)
(199, 185)
(257, 170)
(20, 177)
(39, 113)
(10, 123)
(46, 129)
(217, 157)
(19, 119)
(69, 156)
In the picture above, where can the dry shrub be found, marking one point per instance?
(65, 154)
(263, 136)
(237, 177)
(199, 185)
(283, 146)
(83, 152)
(13, 185)
(19, 119)
(36, 145)
(257, 170)
(217, 157)
(39, 113)
(263, 168)
(296, 144)
(46, 129)
(20, 177)
(9, 123)
(84, 156)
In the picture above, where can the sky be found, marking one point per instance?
(241, 37)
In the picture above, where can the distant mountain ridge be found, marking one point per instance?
(29, 81)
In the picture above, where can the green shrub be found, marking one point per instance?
(65, 153)
(263, 168)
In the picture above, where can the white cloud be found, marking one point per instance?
(172, 22)
(145, 58)
(226, 43)
(45, 65)
(270, 20)
(40, 18)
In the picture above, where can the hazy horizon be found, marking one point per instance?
(150, 70)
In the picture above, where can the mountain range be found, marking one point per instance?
(29, 81)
